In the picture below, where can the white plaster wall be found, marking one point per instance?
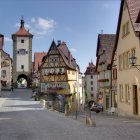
(23, 59)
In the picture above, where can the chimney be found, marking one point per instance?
(59, 42)
(1, 41)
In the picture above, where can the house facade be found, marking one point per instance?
(91, 82)
(128, 45)
(105, 46)
(6, 71)
(5, 67)
(59, 76)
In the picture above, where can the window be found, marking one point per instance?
(121, 92)
(125, 4)
(120, 62)
(114, 73)
(22, 40)
(3, 74)
(125, 29)
(127, 61)
(91, 95)
(73, 72)
(133, 52)
(91, 76)
(127, 93)
(107, 75)
(91, 82)
(22, 67)
(91, 70)
(91, 88)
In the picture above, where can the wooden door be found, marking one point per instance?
(135, 100)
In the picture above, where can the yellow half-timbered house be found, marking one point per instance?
(59, 73)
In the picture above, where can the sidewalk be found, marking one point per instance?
(3, 96)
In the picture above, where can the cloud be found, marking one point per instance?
(106, 5)
(39, 26)
(42, 26)
(7, 39)
(73, 50)
(33, 20)
(45, 24)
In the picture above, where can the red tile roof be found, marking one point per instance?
(134, 8)
(22, 31)
(67, 56)
(105, 46)
(90, 69)
(38, 56)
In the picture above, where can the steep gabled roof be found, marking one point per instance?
(90, 69)
(67, 56)
(105, 45)
(65, 53)
(22, 31)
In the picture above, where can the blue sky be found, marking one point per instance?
(77, 22)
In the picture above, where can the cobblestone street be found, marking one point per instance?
(24, 119)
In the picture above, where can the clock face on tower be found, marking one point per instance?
(22, 51)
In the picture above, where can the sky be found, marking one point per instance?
(76, 22)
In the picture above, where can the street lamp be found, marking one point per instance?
(133, 60)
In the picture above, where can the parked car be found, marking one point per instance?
(96, 107)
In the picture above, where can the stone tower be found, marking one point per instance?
(22, 55)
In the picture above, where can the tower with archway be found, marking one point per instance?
(22, 55)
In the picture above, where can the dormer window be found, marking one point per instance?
(22, 40)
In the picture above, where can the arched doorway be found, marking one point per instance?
(22, 81)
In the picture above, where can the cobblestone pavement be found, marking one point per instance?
(24, 119)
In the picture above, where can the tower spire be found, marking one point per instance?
(22, 22)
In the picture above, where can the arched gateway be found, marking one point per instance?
(22, 55)
(22, 81)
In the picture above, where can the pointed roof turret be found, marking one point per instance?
(22, 31)
(22, 23)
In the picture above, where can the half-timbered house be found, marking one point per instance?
(59, 74)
